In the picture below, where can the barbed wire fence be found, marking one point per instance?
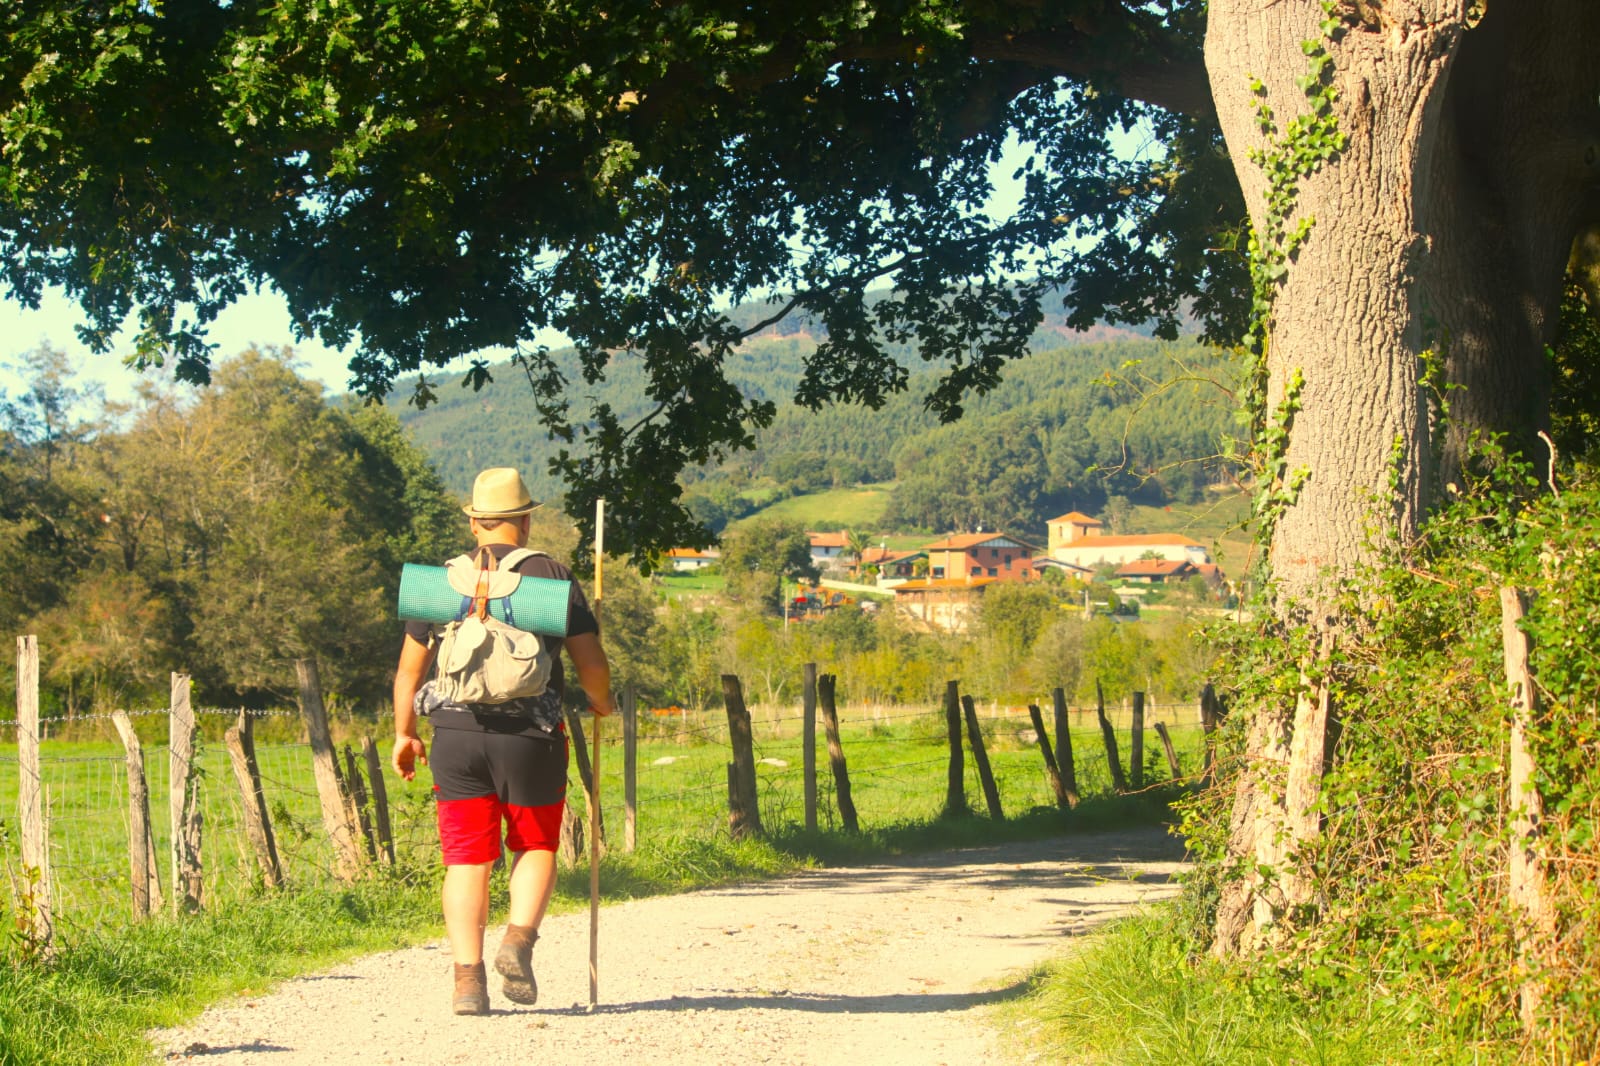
(678, 781)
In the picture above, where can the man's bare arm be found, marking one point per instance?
(594, 670)
(415, 658)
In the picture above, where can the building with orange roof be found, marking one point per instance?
(1074, 525)
(686, 559)
(893, 566)
(1156, 571)
(970, 556)
(941, 603)
(1078, 539)
(827, 548)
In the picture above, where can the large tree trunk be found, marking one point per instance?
(1439, 231)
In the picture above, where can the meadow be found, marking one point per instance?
(897, 760)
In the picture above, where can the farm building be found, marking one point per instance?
(1076, 538)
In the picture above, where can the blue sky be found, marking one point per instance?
(257, 319)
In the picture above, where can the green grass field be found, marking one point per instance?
(860, 507)
(672, 585)
(114, 979)
(1219, 525)
(896, 757)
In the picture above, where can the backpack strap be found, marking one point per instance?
(517, 556)
(467, 576)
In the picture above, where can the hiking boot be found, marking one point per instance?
(514, 962)
(472, 990)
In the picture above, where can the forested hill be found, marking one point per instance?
(1068, 427)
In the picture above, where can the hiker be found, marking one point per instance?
(500, 762)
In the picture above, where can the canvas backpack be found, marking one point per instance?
(482, 659)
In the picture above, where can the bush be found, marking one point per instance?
(1411, 866)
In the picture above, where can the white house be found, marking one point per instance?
(689, 559)
(1076, 538)
(827, 548)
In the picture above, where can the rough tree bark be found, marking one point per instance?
(1443, 226)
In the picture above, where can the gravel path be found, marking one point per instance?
(879, 964)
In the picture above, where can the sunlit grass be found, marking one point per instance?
(1135, 995)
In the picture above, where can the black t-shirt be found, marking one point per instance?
(580, 620)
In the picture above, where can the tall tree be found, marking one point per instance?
(760, 555)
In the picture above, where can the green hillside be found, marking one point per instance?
(1079, 427)
(860, 507)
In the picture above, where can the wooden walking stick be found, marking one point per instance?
(594, 776)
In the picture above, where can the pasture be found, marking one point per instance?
(897, 761)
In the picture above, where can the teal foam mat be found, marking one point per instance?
(538, 606)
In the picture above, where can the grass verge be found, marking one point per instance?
(93, 1002)
(1133, 995)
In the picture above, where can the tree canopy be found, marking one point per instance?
(429, 180)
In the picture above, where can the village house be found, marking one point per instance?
(1044, 563)
(893, 566)
(1078, 539)
(969, 556)
(941, 603)
(828, 549)
(685, 560)
(1156, 571)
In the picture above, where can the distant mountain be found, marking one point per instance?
(465, 431)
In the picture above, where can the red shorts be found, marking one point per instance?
(482, 780)
(469, 829)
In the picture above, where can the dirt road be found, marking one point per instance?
(842, 967)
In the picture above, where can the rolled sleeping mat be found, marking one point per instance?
(538, 605)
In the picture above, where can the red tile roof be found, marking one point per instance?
(963, 541)
(1078, 518)
(829, 540)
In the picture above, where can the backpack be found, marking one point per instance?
(482, 659)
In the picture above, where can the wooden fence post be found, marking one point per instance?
(744, 813)
(183, 800)
(1527, 866)
(336, 817)
(1050, 771)
(358, 802)
(955, 791)
(1303, 783)
(630, 769)
(570, 848)
(33, 801)
(1109, 735)
(240, 739)
(841, 774)
(580, 753)
(380, 800)
(1064, 758)
(1136, 743)
(980, 755)
(141, 838)
(808, 742)
(1208, 726)
(1172, 754)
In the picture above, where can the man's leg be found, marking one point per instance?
(466, 910)
(534, 833)
(533, 880)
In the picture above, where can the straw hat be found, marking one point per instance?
(499, 492)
